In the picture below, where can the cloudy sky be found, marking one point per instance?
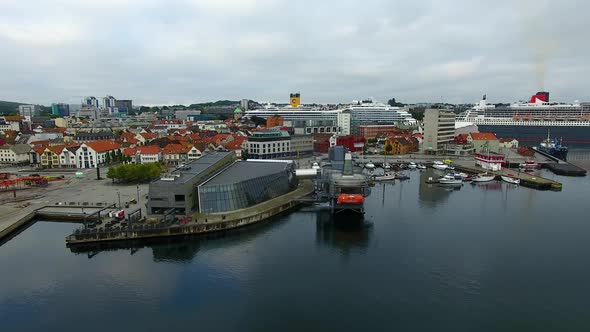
(184, 51)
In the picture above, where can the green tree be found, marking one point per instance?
(394, 103)
(107, 158)
(388, 148)
(144, 109)
(113, 155)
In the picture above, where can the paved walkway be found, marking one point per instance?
(86, 190)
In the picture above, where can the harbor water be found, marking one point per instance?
(489, 257)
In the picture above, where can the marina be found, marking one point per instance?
(411, 242)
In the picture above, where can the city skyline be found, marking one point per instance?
(182, 52)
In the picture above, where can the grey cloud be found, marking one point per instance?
(183, 51)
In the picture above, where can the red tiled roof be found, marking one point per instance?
(194, 137)
(103, 145)
(39, 149)
(42, 142)
(130, 152)
(173, 149)
(483, 136)
(13, 118)
(149, 135)
(177, 138)
(236, 144)
(149, 149)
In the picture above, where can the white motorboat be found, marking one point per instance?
(370, 165)
(385, 177)
(315, 166)
(510, 179)
(450, 180)
(439, 165)
(386, 166)
(412, 165)
(483, 177)
(420, 166)
(402, 176)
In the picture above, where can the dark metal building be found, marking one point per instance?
(178, 189)
(246, 183)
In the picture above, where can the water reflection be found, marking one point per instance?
(181, 249)
(345, 233)
(432, 195)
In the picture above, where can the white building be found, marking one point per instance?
(67, 157)
(93, 154)
(439, 130)
(268, 145)
(15, 154)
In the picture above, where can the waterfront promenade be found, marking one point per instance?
(15, 213)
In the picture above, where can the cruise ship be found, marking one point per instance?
(531, 120)
(368, 112)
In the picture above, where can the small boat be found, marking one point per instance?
(483, 177)
(508, 178)
(530, 165)
(315, 166)
(369, 165)
(450, 180)
(439, 165)
(420, 166)
(386, 166)
(430, 180)
(385, 177)
(402, 176)
(412, 165)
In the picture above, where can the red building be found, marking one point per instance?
(373, 131)
(352, 143)
(321, 142)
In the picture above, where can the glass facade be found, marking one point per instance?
(240, 195)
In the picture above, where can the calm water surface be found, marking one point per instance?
(482, 258)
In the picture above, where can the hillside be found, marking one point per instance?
(7, 107)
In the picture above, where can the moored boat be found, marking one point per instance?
(385, 177)
(530, 164)
(439, 165)
(402, 176)
(450, 180)
(420, 166)
(510, 179)
(412, 165)
(483, 177)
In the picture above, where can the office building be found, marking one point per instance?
(91, 101)
(439, 130)
(28, 111)
(60, 109)
(268, 145)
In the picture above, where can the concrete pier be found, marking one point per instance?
(202, 223)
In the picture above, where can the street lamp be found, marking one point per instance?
(119, 195)
(137, 194)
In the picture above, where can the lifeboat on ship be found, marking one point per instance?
(350, 199)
